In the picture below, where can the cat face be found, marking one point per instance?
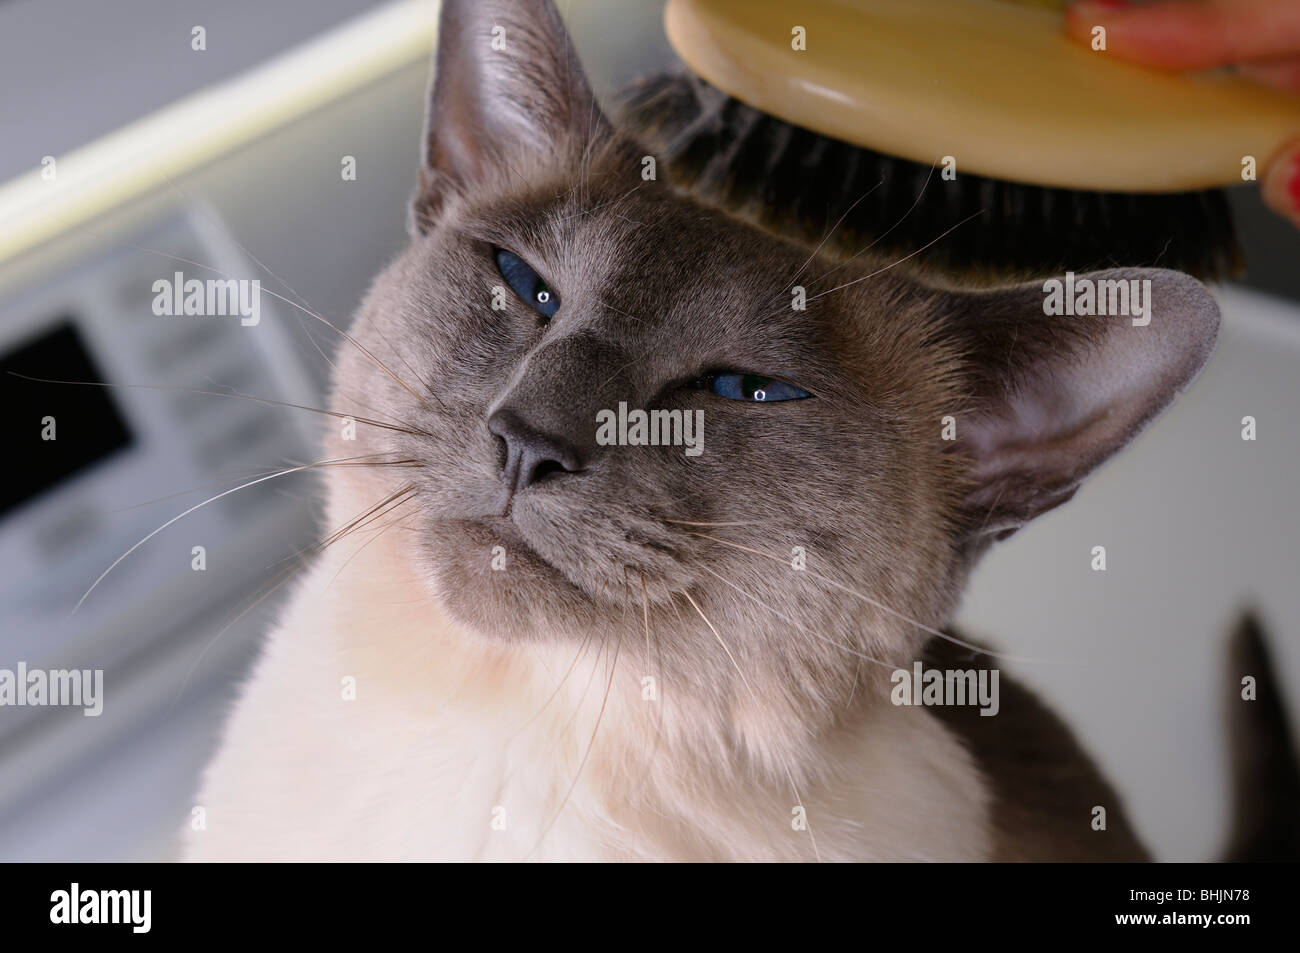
(856, 436)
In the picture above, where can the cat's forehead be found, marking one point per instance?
(646, 234)
(658, 270)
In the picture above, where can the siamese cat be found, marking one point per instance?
(525, 641)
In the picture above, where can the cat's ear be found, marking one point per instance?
(507, 90)
(1060, 387)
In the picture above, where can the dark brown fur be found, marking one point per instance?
(1044, 785)
(1266, 771)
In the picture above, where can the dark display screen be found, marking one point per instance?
(87, 423)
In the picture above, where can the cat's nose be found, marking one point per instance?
(531, 454)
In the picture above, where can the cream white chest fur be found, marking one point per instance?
(459, 748)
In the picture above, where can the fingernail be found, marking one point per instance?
(1293, 184)
(1281, 186)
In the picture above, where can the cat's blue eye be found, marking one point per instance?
(527, 283)
(753, 387)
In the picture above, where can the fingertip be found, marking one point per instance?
(1166, 35)
(1281, 73)
(1082, 15)
(1281, 186)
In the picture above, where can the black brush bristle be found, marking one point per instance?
(798, 182)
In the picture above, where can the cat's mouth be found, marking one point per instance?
(508, 535)
(599, 561)
(511, 553)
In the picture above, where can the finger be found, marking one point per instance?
(1283, 73)
(1281, 186)
(1190, 34)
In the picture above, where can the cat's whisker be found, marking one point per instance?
(659, 701)
(886, 233)
(833, 229)
(782, 616)
(589, 141)
(276, 584)
(321, 545)
(329, 464)
(582, 648)
(659, 667)
(201, 211)
(725, 648)
(177, 518)
(577, 656)
(406, 497)
(709, 523)
(857, 673)
(617, 372)
(292, 304)
(308, 311)
(383, 507)
(367, 352)
(934, 241)
(672, 601)
(629, 610)
(284, 576)
(645, 608)
(626, 314)
(586, 688)
(577, 190)
(357, 522)
(789, 775)
(231, 393)
(600, 716)
(596, 208)
(879, 238)
(930, 630)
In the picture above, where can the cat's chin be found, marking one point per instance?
(487, 576)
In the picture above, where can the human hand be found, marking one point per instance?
(1261, 38)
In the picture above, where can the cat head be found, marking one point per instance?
(865, 433)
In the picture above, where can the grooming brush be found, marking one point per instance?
(1063, 155)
